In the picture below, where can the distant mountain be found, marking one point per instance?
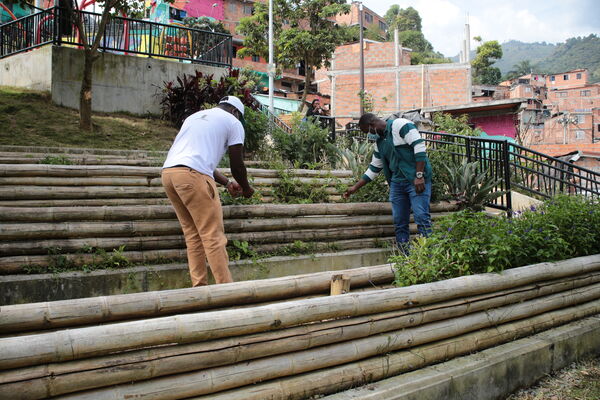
(579, 52)
(515, 51)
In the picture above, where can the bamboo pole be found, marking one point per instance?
(93, 341)
(76, 181)
(87, 160)
(118, 213)
(44, 170)
(343, 377)
(65, 313)
(55, 379)
(19, 264)
(208, 381)
(61, 192)
(105, 213)
(82, 150)
(146, 181)
(141, 202)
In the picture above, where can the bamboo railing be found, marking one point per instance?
(289, 349)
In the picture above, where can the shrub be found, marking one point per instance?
(307, 146)
(470, 242)
(192, 93)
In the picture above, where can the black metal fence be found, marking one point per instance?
(122, 35)
(519, 169)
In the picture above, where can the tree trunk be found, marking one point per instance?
(85, 96)
(308, 71)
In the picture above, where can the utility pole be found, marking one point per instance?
(362, 60)
(565, 120)
(271, 66)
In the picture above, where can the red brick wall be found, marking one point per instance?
(560, 82)
(444, 84)
(574, 98)
(353, 18)
(555, 133)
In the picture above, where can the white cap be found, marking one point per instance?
(234, 101)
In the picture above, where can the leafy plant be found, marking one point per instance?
(470, 242)
(355, 157)
(56, 160)
(192, 93)
(240, 250)
(470, 188)
(308, 144)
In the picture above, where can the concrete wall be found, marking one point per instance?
(31, 69)
(120, 83)
(19, 289)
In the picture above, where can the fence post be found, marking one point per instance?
(150, 48)
(468, 148)
(506, 163)
(57, 33)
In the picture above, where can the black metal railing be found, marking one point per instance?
(122, 35)
(518, 168)
(274, 120)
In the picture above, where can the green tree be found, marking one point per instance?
(205, 24)
(521, 68)
(404, 19)
(91, 44)
(487, 53)
(310, 36)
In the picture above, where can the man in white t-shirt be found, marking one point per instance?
(189, 176)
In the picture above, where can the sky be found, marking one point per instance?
(551, 21)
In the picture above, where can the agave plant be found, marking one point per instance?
(356, 157)
(470, 188)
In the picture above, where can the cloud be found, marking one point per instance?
(524, 20)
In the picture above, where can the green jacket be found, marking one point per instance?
(397, 153)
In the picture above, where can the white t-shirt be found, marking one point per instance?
(203, 139)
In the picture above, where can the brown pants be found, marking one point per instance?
(198, 207)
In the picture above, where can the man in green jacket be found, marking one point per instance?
(399, 151)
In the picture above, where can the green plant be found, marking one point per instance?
(458, 125)
(308, 144)
(470, 188)
(240, 250)
(56, 160)
(470, 242)
(366, 100)
(290, 189)
(256, 129)
(192, 93)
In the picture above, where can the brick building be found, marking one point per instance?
(371, 20)
(393, 86)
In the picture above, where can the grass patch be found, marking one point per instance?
(29, 118)
(578, 381)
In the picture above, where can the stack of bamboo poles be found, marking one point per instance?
(80, 156)
(291, 349)
(152, 232)
(40, 185)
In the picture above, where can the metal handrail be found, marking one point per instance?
(517, 167)
(124, 35)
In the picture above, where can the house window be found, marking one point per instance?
(255, 58)
(248, 10)
(232, 7)
(585, 93)
(565, 77)
(579, 75)
(561, 94)
(579, 135)
(527, 90)
(286, 84)
(552, 78)
(580, 118)
(382, 26)
(368, 18)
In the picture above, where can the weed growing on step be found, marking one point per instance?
(59, 261)
(468, 242)
(56, 160)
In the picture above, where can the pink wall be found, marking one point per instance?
(496, 125)
(203, 8)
